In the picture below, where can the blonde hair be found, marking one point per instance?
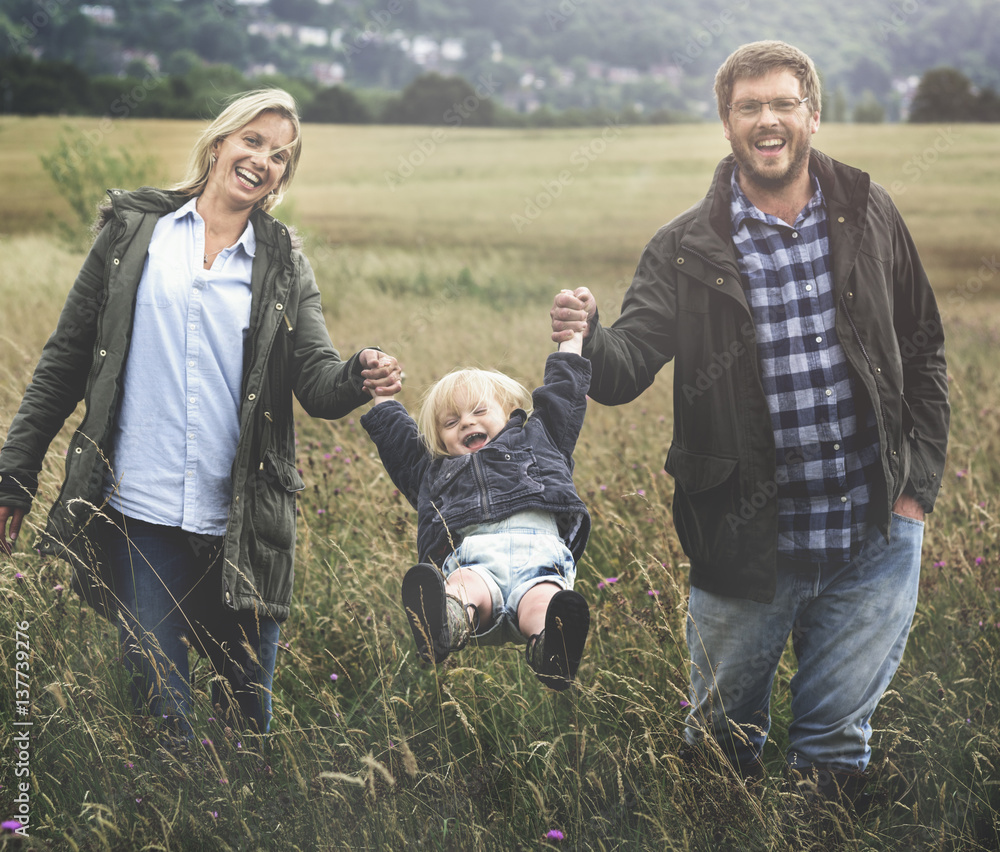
(244, 109)
(473, 385)
(758, 59)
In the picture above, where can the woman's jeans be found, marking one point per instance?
(168, 585)
(849, 626)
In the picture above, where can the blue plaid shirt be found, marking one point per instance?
(825, 458)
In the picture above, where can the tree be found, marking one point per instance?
(869, 110)
(337, 105)
(433, 99)
(944, 94)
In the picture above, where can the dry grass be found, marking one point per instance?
(477, 755)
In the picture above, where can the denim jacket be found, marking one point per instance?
(529, 465)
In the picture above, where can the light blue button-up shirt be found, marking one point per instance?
(175, 438)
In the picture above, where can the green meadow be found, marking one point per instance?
(445, 246)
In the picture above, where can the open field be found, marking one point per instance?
(395, 755)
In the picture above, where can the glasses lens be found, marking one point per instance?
(784, 104)
(747, 109)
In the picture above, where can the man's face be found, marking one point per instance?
(772, 150)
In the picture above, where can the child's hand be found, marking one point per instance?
(383, 378)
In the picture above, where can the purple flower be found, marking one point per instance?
(653, 593)
(215, 814)
(333, 677)
(641, 492)
(554, 834)
(684, 704)
(19, 576)
(10, 825)
(941, 564)
(611, 580)
(980, 560)
(206, 742)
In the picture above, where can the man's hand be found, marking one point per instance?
(571, 313)
(15, 516)
(381, 374)
(908, 507)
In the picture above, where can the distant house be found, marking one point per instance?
(103, 15)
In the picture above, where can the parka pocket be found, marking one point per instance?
(275, 486)
(705, 505)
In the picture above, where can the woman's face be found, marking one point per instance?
(251, 161)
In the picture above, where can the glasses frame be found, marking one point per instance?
(762, 104)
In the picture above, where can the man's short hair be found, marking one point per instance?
(758, 59)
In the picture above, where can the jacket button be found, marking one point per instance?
(840, 219)
(680, 260)
(850, 294)
(116, 261)
(104, 352)
(227, 597)
(252, 396)
(279, 306)
(720, 281)
(78, 450)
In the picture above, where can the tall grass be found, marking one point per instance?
(476, 754)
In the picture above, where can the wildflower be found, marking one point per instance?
(129, 764)
(10, 825)
(684, 704)
(604, 488)
(58, 588)
(19, 577)
(215, 814)
(653, 593)
(333, 677)
(641, 492)
(321, 511)
(138, 800)
(554, 834)
(611, 580)
(980, 560)
(941, 564)
(206, 742)
(961, 474)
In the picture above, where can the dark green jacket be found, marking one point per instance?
(287, 349)
(686, 303)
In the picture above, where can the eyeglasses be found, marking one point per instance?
(779, 106)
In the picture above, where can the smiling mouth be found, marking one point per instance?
(248, 177)
(475, 440)
(770, 146)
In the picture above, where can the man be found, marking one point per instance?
(810, 421)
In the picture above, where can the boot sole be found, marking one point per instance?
(424, 600)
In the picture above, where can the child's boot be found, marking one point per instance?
(555, 653)
(439, 621)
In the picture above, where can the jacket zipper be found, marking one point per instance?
(477, 472)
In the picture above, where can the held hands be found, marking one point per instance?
(571, 314)
(381, 373)
(15, 516)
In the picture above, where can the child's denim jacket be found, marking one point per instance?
(529, 465)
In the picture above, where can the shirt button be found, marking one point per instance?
(829, 392)
(190, 473)
(819, 339)
(809, 287)
(190, 363)
(191, 400)
(836, 446)
(795, 235)
(191, 326)
(843, 499)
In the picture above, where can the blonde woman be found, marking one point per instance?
(193, 320)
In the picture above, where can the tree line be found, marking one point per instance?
(30, 86)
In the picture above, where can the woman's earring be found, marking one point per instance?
(213, 161)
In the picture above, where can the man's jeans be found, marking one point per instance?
(849, 626)
(168, 583)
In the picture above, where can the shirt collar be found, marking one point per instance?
(247, 240)
(740, 207)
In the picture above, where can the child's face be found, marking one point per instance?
(469, 425)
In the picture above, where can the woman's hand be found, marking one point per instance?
(15, 516)
(381, 373)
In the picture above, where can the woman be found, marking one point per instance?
(191, 323)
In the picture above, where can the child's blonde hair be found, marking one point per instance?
(475, 386)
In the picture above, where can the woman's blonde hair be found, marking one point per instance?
(244, 109)
(472, 385)
(758, 59)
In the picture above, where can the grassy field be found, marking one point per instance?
(428, 257)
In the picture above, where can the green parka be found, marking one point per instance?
(686, 304)
(287, 349)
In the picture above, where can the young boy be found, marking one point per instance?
(497, 511)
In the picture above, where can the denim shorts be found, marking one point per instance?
(511, 556)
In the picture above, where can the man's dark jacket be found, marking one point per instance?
(687, 303)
